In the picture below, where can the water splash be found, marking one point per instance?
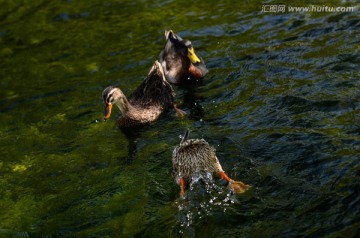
(204, 197)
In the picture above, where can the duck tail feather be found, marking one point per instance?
(186, 136)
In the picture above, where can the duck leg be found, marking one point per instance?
(236, 186)
(182, 187)
(179, 112)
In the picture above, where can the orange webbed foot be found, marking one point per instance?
(179, 112)
(238, 186)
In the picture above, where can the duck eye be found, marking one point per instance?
(109, 98)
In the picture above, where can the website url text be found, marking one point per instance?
(310, 8)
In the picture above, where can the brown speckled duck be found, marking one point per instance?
(153, 96)
(180, 63)
(196, 155)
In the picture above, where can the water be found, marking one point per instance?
(280, 105)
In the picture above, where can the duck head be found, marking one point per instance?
(182, 46)
(111, 96)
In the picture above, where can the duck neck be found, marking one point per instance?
(125, 106)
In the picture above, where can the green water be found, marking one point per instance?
(281, 105)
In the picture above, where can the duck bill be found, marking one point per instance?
(192, 56)
(107, 111)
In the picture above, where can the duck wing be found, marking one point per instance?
(154, 90)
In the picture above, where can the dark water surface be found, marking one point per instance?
(281, 105)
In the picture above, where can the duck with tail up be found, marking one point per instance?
(179, 60)
(196, 155)
(149, 100)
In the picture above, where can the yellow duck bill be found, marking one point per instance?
(192, 56)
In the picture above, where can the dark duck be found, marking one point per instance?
(180, 63)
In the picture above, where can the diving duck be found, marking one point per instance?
(153, 96)
(180, 63)
(196, 155)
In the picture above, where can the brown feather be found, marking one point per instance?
(151, 98)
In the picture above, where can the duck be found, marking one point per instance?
(194, 156)
(180, 62)
(148, 101)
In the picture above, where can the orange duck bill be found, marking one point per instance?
(107, 111)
